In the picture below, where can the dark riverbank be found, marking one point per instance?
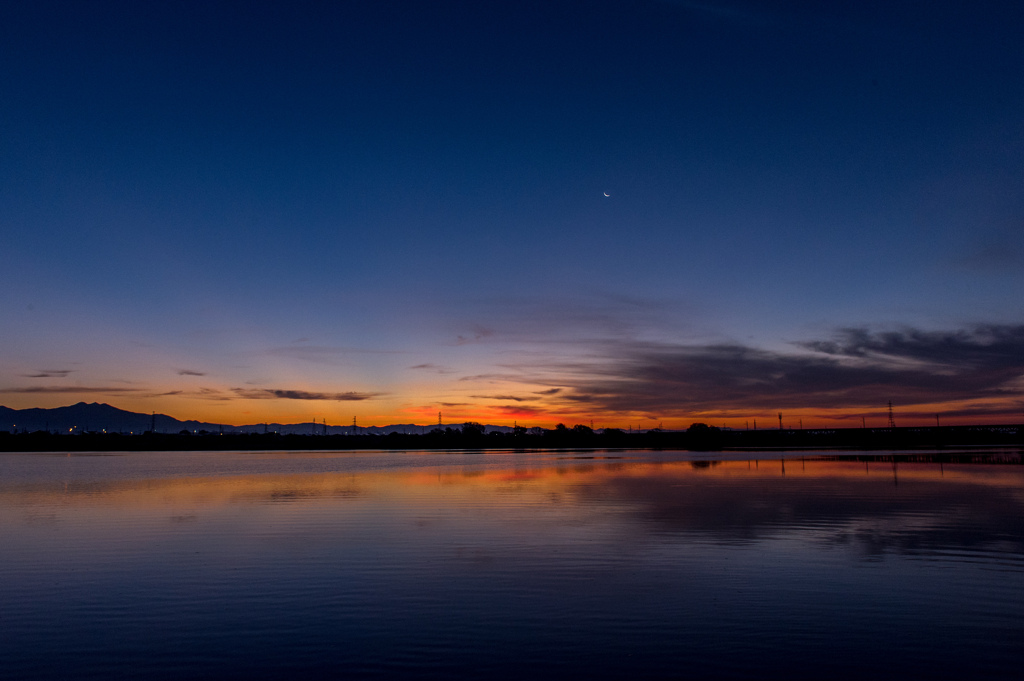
(695, 439)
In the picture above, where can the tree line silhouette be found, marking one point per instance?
(473, 436)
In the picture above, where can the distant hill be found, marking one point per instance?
(96, 417)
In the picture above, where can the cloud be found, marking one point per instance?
(190, 372)
(201, 393)
(49, 373)
(1002, 252)
(209, 394)
(489, 378)
(71, 389)
(855, 368)
(566, 319)
(551, 391)
(277, 394)
(1012, 410)
(433, 367)
(517, 411)
(323, 354)
(479, 333)
(507, 398)
(980, 348)
(994, 257)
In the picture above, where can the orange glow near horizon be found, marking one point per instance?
(420, 406)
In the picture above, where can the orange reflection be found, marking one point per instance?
(549, 473)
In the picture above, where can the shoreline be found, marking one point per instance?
(710, 440)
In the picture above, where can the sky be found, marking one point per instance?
(642, 213)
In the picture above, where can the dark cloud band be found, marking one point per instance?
(857, 367)
(272, 394)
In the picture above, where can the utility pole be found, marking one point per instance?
(780, 420)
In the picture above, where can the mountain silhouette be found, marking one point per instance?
(96, 417)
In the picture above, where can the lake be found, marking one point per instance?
(494, 565)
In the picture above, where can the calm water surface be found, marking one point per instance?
(508, 565)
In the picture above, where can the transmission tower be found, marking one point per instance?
(892, 423)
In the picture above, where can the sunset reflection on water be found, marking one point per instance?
(457, 563)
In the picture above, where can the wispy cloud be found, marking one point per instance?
(567, 319)
(278, 394)
(190, 372)
(201, 393)
(504, 398)
(478, 334)
(489, 378)
(1002, 253)
(49, 373)
(324, 354)
(71, 389)
(436, 368)
(517, 411)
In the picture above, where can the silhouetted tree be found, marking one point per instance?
(701, 436)
(472, 428)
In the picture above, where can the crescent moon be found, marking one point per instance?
(606, 194)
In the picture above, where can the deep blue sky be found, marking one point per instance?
(239, 211)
